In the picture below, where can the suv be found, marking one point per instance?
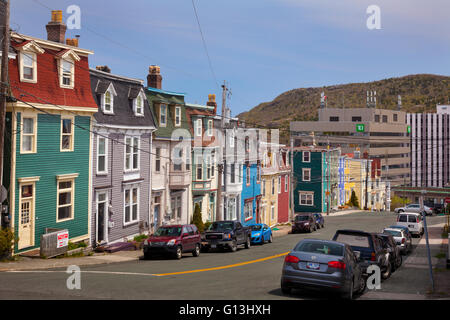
(414, 208)
(173, 240)
(402, 238)
(304, 222)
(367, 247)
(226, 234)
(411, 220)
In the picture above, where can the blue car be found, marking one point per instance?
(261, 233)
(320, 221)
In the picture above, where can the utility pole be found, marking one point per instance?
(219, 215)
(424, 216)
(367, 182)
(4, 85)
(292, 180)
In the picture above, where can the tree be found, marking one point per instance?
(197, 218)
(353, 200)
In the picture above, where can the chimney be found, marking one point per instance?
(154, 77)
(56, 29)
(212, 102)
(103, 68)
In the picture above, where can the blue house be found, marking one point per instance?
(251, 193)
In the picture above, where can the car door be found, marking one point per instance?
(185, 242)
(266, 232)
(239, 232)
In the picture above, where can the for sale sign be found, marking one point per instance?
(63, 239)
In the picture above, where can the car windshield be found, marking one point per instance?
(256, 228)
(301, 218)
(168, 232)
(221, 226)
(394, 233)
(354, 240)
(328, 248)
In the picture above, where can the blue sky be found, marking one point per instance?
(260, 47)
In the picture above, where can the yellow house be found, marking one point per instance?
(355, 179)
(270, 185)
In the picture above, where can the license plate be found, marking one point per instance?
(313, 266)
(213, 246)
(411, 226)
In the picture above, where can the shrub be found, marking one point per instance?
(197, 218)
(397, 202)
(207, 224)
(353, 200)
(140, 238)
(7, 241)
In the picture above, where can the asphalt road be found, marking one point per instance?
(235, 277)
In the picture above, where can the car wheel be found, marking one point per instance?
(179, 253)
(387, 273)
(271, 238)
(247, 244)
(362, 285)
(233, 246)
(196, 251)
(400, 211)
(285, 289)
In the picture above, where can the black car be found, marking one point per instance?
(304, 222)
(226, 234)
(368, 247)
(393, 251)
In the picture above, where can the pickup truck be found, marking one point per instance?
(226, 235)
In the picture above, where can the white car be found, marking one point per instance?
(413, 221)
(414, 207)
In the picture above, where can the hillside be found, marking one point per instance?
(420, 93)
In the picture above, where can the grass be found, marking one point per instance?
(77, 245)
(140, 238)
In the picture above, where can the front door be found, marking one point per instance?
(102, 209)
(26, 218)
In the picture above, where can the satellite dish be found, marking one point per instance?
(3, 194)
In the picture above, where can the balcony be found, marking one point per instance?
(179, 179)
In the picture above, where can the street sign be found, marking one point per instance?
(360, 127)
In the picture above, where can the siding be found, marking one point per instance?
(314, 185)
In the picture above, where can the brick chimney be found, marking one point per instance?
(154, 78)
(212, 102)
(56, 29)
(103, 68)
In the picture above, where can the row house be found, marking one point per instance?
(171, 151)
(204, 157)
(48, 150)
(122, 144)
(270, 186)
(284, 185)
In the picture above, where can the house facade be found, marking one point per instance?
(122, 144)
(171, 150)
(48, 150)
(270, 184)
(284, 186)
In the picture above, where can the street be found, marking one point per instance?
(245, 274)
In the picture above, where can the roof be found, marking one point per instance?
(165, 92)
(126, 89)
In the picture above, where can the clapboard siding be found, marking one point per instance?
(49, 162)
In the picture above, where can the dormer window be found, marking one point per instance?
(198, 127)
(107, 100)
(163, 115)
(177, 116)
(28, 61)
(29, 66)
(138, 105)
(66, 64)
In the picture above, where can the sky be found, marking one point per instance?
(261, 48)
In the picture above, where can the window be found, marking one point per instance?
(272, 212)
(306, 156)
(67, 134)
(286, 181)
(162, 115)
(273, 186)
(334, 119)
(248, 210)
(198, 127)
(279, 184)
(232, 176)
(199, 168)
(175, 203)
(28, 134)
(158, 160)
(131, 153)
(28, 70)
(356, 119)
(258, 173)
(264, 187)
(66, 73)
(306, 176)
(377, 118)
(385, 118)
(247, 178)
(65, 193)
(102, 145)
(139, 105)
(240, 172)
(178, 159)
(131, 205)
(395, 117)
(188, 159)
(177, 116)
(108, 102)
(231, 138)
(210, 128)
(213, 161)
(247, 144)
(208, 167)
(306, 199)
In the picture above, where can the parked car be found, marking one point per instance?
(261, 233)
(226, 234)
(413, 221)
(405, 229)
(368, 247)
(322, 264)
(304, 222)
(392, 251)
(402, 239)
(320, 221)
(437, 207)
(173, 240)
(414, 207)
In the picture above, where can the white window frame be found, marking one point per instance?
(132, 154)
(309, 156)
(158, 158)
(306, 194)
(279, 184)
(231, 138)
(34, 134)
(303, 174)
(286, 183)
(209, 126)
(161, 108)
(33, 57)
(72, 134)
(66, 178)
(198, 127)
(135, 105)
(248, 210)
(177, 116)
(130, 189)
(61, 73)
(112, 93)
(104, 155)
(199, 165)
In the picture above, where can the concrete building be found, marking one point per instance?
(383, 134)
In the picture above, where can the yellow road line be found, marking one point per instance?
(223, 267)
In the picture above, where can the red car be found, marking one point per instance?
(173, 240)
